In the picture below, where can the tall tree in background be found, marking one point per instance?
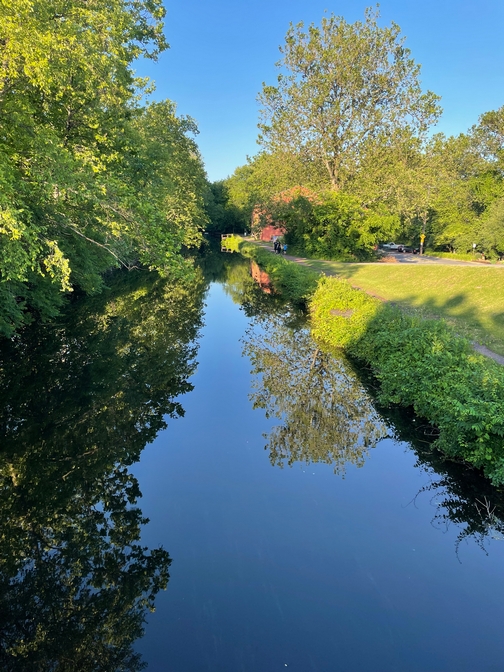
(340, 85)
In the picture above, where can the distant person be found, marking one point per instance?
(285, 248)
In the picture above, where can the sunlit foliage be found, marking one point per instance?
(90, 178)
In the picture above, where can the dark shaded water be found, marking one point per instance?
(307, 531)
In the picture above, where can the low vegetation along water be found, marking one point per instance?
(295, 524)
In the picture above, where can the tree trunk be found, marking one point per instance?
(333, 175)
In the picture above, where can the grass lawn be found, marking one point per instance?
(470, 298)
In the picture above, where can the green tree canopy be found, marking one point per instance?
(89, 177)
(340, 85)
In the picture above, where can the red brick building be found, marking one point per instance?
(270, 231)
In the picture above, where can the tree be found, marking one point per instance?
(490, 230)
(89, 178)
(489, 136)
(260, 181)
(224, 216)
(343, 83)
(467, 182)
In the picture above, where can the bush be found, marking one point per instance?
(423, 364)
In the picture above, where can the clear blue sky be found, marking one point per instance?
(222, 50)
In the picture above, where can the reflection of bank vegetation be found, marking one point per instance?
(79, 401)
(329, 416)
(326, 416)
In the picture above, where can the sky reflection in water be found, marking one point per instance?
(298, 566)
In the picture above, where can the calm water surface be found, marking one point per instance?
(305, 532)
(300, 567)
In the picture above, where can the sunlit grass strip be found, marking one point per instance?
(469, 298)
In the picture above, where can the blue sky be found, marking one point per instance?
(221, 52)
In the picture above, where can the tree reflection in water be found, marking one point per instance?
(329, 413)
(78, 403)
(460, 495)
(326, 415)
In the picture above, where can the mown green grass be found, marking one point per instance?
(470, 298)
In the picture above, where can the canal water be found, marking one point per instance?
(308, 529)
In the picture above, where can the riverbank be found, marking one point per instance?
(469, 298)
(420, 363)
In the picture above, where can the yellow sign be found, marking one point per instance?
(422, 237)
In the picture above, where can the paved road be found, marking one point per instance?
(404, 258)
(401, 257)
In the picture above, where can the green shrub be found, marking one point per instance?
(340, 313)
(423, 364)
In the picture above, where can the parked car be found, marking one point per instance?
(408, 249)
(391, 246)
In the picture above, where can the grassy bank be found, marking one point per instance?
(470, 299)
(420, 363)
(423, 364)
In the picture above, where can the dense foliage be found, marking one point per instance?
(223, 215)
(347, 119)
(423, 364)
(90, 178)
(335, 225)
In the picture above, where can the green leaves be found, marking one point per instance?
(334, 225)
(342, 83)
(423, 364)
(89, 180)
